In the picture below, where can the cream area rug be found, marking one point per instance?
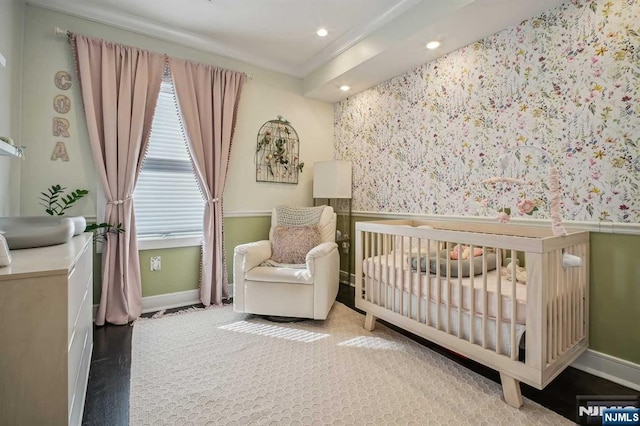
(216, 367)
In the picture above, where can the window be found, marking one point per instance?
(168, 202)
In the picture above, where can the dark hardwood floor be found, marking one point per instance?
(107, 401)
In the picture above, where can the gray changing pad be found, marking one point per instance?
(39, 231)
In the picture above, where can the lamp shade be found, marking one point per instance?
(332, 179)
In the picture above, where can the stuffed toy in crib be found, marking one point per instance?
(521, 273)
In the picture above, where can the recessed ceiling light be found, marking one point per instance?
(344, 88)
(322, 32)
(433, 45)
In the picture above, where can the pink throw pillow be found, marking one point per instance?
(290, 244)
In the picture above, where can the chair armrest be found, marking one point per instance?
(253, 254)
(318, 253)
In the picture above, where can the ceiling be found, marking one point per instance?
(369, 41)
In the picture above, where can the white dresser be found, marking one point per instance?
(46, 333)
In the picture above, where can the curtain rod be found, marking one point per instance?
(60, 31)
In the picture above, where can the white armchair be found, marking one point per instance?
(305, 291)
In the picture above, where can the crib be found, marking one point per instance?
(478, 307)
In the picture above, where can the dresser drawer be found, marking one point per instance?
(37, 363)
(81, 339)
(80, 278)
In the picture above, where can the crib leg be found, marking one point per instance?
(369, 322)
(511, 390)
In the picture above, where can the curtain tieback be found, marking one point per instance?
(213, 201)
(116, 202)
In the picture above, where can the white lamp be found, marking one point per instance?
(332, 179)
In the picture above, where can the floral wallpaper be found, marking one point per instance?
(567, 81)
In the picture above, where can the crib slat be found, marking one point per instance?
(392, 272)
(472, 289)
(460, 299)
(411, 279)
(514, 280)
(419, 279)
(485, 304)
(582, 298)
(448, 287)
(559, 284)
(565, 305)
(549, 305)
(579, 303)
(367, 280)
(384, 283)
(427, 273)
(393, 286)
(498, 300)
(561, 310)
(556, 309)
(394, 280)
(389, 271)
(402, 282)
(379, 251)
(373, 268)
(561, 291)
(552, 302)
(577, 278)
(567, 275)
(438, 289)
(397, 286)
(577, 299)
(572, 280)
(376, 251)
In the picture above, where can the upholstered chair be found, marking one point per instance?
(293, 274)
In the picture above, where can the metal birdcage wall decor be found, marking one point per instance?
(277, 153)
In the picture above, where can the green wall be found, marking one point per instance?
(615, 295)
(180, 270)
(614, 279)
(240, 230)
(181, 266)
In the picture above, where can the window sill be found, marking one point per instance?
(151, 243)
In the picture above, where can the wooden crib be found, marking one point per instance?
(528, 332)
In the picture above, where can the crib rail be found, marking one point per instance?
(406, 268)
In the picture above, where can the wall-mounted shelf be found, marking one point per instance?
(7, 150)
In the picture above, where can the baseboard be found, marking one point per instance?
(608, 367)
(170, 300)
(166, 301)
(344, 279)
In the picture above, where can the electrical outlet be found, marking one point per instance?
(156, 263)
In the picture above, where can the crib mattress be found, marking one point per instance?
(379, 270)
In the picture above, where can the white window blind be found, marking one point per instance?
(168, 201)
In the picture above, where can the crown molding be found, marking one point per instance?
(149, 28)
(352, 37)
